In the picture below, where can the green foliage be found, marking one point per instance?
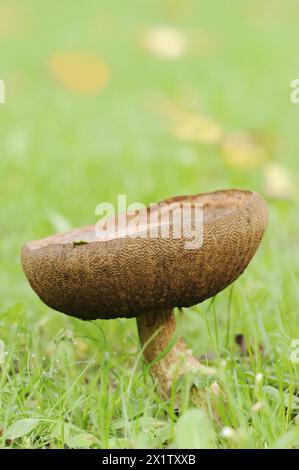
(194, 431)
(21, 428)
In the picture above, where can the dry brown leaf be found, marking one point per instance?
(83, 73)
(241, 341)
(165, 41)
(278, 182)
(244, 347)
(243, 150)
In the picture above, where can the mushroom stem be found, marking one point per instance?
(157, 331)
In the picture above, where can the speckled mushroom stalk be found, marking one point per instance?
(80, 275)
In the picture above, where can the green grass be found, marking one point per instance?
(84, 384)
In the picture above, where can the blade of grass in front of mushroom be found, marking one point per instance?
(229, 305)
(167, 355)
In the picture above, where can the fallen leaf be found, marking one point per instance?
(190, 125)
(244, 348)
(240, 340)
(82, 73)
(243, 150)
(11, 20)
(199, 129)
(171, 43)
(165, 41)
(278, 182)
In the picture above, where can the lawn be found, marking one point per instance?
(209, 110)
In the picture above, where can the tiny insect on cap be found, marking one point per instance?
(123, 276)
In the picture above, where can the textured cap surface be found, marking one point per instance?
(125, 277)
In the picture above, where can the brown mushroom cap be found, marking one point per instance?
(125, 276)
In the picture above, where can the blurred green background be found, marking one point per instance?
(170, 73)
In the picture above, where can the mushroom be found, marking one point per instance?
(146, 277)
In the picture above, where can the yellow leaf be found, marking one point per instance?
(199, 129)
(243, 150)
(82, 73)
(190, 125)
(171, 43)
(278, 182)
(165, 41)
